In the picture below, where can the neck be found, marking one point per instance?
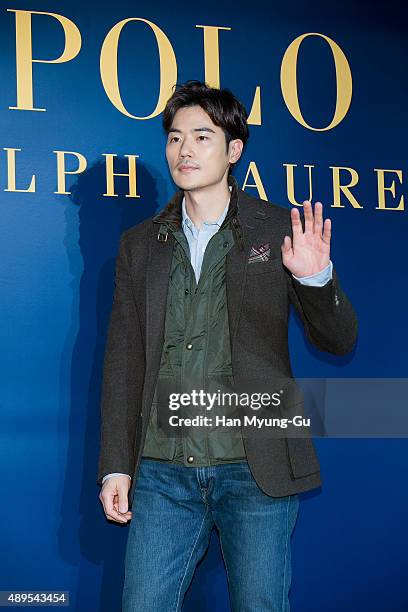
(207, 203)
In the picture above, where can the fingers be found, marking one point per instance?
(114, 500)
(309, 220)
(314, 223)
(123, 499)
(297, 229)
(286, 245)
(126, 515)
(327, 231)
(110, 505)
(318, 218)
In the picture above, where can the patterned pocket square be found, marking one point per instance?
(261, 253)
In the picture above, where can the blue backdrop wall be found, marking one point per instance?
(59, 236)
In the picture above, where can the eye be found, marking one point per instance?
(205, 137)
(171, 139)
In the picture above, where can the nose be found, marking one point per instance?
(186, 148)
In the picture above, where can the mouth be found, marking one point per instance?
(187, 168)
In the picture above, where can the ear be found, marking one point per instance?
(235, 150)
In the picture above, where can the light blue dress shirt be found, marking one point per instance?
(198, 239)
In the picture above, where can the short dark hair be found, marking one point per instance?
(223, 108)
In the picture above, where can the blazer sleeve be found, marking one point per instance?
(329, 319)
(123, 375)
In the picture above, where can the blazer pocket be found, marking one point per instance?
(261, 267)
(302, 457)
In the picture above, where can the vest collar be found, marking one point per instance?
(171, 214)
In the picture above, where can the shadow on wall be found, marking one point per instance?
(94, 225)
(85, 537)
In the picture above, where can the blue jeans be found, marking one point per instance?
(174, 510)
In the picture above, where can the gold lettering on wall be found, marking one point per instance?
(381, 189)
(288, 77)
(24, 54)
(252, 168)
(11, 173)
(212, 54)
(62, 172)
(290, 183)
(110, 174)
(338, 188)
(255, 115)
(109, 67)
(212, 69)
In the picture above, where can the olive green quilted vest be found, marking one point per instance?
(196, 347)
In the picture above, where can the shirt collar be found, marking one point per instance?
(187, 221)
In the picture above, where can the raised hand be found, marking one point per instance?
(309, 251)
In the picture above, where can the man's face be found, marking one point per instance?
(196, 149)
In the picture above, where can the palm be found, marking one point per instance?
(308, 252)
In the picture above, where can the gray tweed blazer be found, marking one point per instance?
(259, 295)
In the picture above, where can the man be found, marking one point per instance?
(203, 290)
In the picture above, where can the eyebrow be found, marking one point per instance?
(201, 129)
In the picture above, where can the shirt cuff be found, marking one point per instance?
(319, 279)
(114, 474)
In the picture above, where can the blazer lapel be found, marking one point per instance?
(250, 218)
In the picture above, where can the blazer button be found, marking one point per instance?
(190, 459)
(189, 346)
